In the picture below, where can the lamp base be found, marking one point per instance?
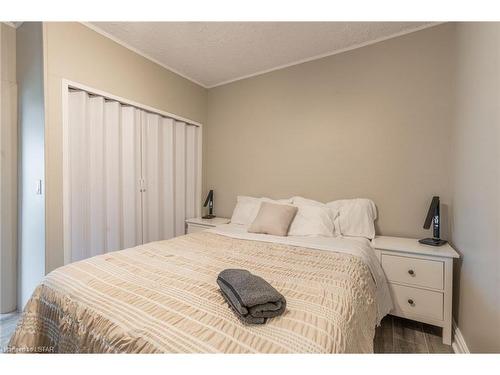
(209, 216)
(432, 241)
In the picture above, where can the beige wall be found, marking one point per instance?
(8, 170)
(74, 52)
(476, 185)
(373, 122)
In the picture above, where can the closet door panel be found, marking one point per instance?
(158, 172)
(191, 170)
(138, 164)
(180, 178)
(112, 182)
(131, 174)
(151, 197)
(78, 170)
(167, 178)
(97, 213)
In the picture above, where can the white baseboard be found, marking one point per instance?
(458, 345)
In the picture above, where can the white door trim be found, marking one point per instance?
(68, 84)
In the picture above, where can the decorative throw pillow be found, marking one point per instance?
(273, 219)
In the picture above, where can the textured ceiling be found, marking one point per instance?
(213, 53)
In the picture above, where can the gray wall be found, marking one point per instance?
(373, 122)
(32, 132)
(475, 185)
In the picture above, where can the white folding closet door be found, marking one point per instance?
(79, 189)
(191, 170)
(167, 177)
(112, 183)
(158, 175)
(104, 171)
(150, 168)
(180, 178)
(97, 214)
(132, 176)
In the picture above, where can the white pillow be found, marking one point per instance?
(354, 217)
(247, 208)
(305, 201)
(312, 220)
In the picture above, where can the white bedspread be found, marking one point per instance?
(356, 246)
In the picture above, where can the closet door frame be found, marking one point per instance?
(66, 85)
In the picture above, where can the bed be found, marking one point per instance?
(162, 297)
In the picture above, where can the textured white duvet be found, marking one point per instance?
(356, 246)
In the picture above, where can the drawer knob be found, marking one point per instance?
(411, 302)
(411, 272)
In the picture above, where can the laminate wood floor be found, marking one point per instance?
(395, 335)
(7, 326)
(398, 335)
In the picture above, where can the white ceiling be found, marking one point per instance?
(214, 53)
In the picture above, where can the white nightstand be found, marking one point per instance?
(420, 279)
(197, 224)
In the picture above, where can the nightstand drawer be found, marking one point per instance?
(191, 228)
(413, 271)
(414, 302)
(197, 224)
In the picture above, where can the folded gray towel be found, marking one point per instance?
(251, 297)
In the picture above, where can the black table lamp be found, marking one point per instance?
(210, 203)
(433, 217)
